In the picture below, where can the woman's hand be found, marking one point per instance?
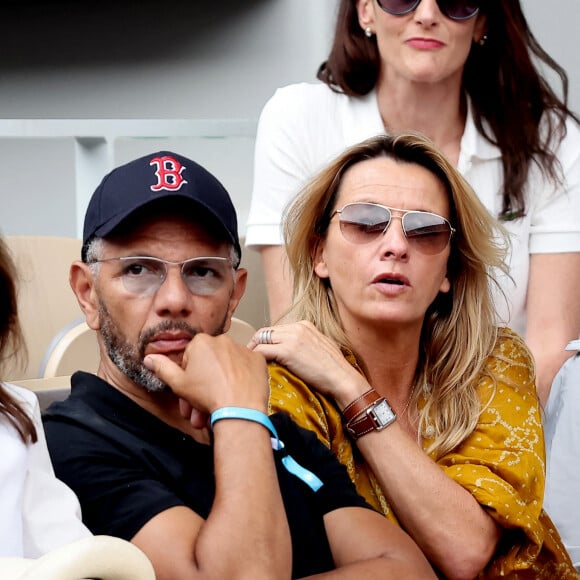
(313, 357)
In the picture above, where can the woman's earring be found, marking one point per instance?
(368, 32)
(483, 40)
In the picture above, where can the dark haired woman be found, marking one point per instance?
(37, 511)
(464, 73)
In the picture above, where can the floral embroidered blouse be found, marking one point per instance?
(502, 463)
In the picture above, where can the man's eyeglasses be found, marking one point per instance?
(361, 223)
(454, 9)
(144, 275)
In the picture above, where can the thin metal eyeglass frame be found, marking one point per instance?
(167, 263)
(415, 3)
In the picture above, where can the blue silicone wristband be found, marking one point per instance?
(245, 414)
(289, 463)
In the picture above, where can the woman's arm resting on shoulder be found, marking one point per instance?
(306, 352)
(553, 314)
(365, 544)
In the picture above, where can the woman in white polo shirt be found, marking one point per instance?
(463, 73)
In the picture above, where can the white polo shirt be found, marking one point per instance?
(303, 126)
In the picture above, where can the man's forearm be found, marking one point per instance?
(248, 521)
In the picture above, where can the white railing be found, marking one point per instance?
(94, 140)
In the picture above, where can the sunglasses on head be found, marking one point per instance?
(454, 9)
(361, 223)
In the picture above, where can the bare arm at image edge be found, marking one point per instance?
(553, 314)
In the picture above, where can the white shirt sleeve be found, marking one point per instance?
(562, 430)
(301, 128)
(281, 165)
(555, 221)
(51, 515)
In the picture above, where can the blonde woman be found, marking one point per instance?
(472, 77)
(396, 363)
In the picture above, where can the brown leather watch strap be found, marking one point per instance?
(359, 405)
(368, 422)
(361, 427)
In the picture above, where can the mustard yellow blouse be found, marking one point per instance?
(502, 463)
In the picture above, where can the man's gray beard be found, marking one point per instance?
(128, 358)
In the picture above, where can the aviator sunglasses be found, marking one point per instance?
(144, 275)
(361, 223)
(454, 9)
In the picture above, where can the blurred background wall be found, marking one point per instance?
(138, 59)
(196, 60)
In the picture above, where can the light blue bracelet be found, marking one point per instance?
(246, 414)
(289, 463)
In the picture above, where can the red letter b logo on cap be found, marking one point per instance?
(168, 173)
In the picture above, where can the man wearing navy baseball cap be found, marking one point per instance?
(169, 445)
(148, 179)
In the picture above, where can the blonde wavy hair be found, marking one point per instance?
(459, 330)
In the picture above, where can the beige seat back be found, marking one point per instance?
(47, 390)
(241, 331)
(46, 302)
(99, 557)
(74, 348)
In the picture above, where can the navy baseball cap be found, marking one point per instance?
(164, 174)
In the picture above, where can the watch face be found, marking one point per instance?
(383, 414)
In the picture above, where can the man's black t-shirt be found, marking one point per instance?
(126, 466)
